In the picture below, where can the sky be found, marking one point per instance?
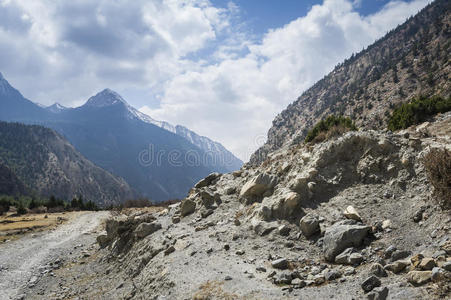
(222, 68)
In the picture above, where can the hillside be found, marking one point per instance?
(411, 60)
(46, 163)
(9, 183)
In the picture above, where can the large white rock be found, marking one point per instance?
(258, 185)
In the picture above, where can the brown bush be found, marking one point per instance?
(438, 169)
(332, 132)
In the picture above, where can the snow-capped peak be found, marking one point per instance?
(56, 108)
(106, 97)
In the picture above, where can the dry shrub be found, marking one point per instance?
(438, 169)
(334, 131)
(213, 290)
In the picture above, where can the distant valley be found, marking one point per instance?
(158, 160)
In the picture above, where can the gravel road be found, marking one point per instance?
(23, 261)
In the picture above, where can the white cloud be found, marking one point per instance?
(236, 100)
(198, 60)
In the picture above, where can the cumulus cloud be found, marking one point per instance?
(196, 60)
(236, 100)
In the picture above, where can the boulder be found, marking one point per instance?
(338, 237)
(351, 213)
(370, 283)
(309, 225)
(427, 264)
(263, 228)
(145, 229)
(400, 254)
(207, 180)
(187, 207)
(207, 198)
(280, 263)
(348, 257)
(379, 293)
(258, 185)
(419, 277)
(397, 266)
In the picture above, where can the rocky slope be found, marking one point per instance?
(46, 163)
(348, 218)
(412, 59)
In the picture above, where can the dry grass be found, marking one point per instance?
(12, 227)
(438, 169)
(213, 290)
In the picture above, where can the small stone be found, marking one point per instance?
(298, 283)
(447, 266)
(283, 278)
(281, 264)
(437, 274)
(386, 224)
(240, 252)
(227, 247)
(379, 293)
(332, 275)
(419, 277)
(370, 283)
(400, 254)
(351, 213)
(389, 251)
(169, 250)
(228, 278)
(378, 270)
(416, 260)
(427, 264)
(284, 230)
(209, 250)
(261, 269)
(175, 219)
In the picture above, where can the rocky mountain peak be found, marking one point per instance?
(56, 108)
(107, 97)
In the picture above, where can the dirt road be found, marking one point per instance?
(24, 261)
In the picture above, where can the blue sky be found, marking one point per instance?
(262, 15)
(223, 69)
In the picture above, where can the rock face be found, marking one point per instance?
(339, 237)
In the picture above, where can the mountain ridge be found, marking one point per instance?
(411, 60)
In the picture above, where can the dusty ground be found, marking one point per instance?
(27, 260)
(13, 226)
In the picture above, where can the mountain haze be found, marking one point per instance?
(45, 162)
(158, 162)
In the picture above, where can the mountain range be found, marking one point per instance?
(158, 160)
